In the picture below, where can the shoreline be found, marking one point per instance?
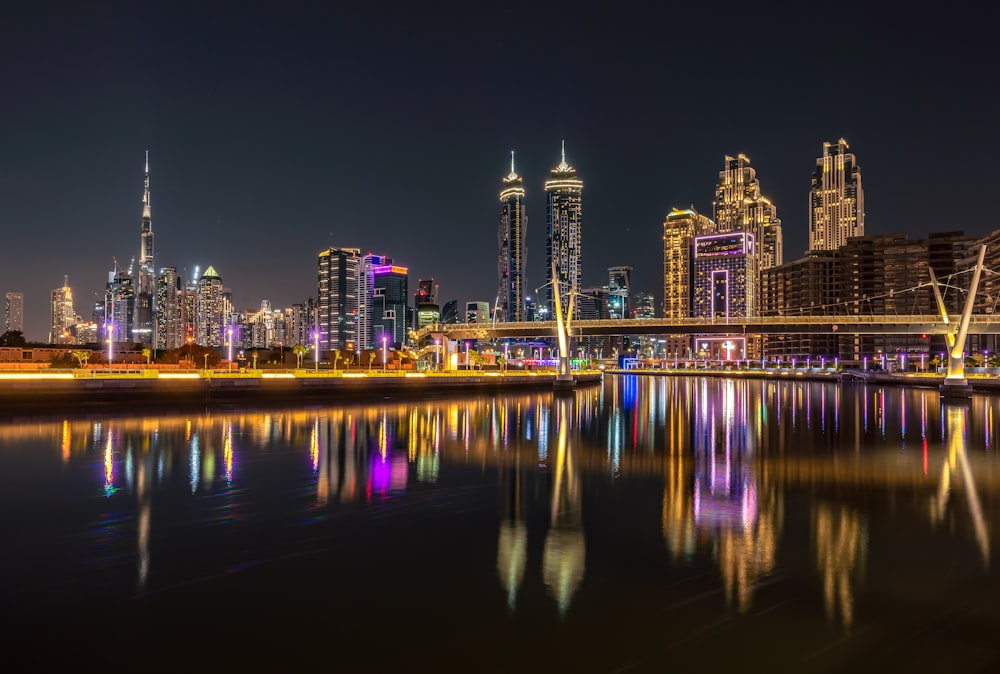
(21, 392)
(979, 384)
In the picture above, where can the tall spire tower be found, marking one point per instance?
(142, 327)
(564, 237)
(513, 251)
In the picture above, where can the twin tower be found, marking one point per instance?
(563, 241)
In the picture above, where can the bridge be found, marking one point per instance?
(761, 325)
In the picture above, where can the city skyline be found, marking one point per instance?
(263, 156)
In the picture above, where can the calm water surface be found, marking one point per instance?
(651, 524)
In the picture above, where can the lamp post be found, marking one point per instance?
(437, 354)
(229, 332)
(384, 367)
(111, 341)
(316, 350)
(467, 356)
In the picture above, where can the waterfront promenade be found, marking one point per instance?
(986, 382)
(44, 389)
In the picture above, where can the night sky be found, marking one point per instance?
(276, 131)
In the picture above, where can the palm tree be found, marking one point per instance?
(299, 351)
(147, 352)
(336, 357)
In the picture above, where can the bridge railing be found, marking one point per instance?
(919, 322)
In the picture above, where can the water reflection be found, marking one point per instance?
(725, 460)
(841, 547)
(565, 546)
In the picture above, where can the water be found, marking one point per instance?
(651, 524)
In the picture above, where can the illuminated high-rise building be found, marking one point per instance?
(724, 276)
(169, 328)
(145, 290)
(619, 289)
(564, 236)
(62, 318)
(680, 229)
(724, 285)
(390, 288)
(836, 201)
(337, 305)
(210, 310)
(740, 207)
(13, 312)
(513, 248)
(119, 303)
(383, 290)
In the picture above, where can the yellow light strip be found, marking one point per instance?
(179, 375)
(35, 375)
(277, 375)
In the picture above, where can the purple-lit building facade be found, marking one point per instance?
(723, 286)
(383, 294)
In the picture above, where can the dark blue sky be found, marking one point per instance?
(276, 129)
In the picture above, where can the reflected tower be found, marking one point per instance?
(512, 546)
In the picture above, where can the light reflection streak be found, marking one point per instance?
(66, 445)
(956, 462)
(194, 461)
(841, 550)
(109, 466)
(565, 547)
(227, 453)
(314, 445)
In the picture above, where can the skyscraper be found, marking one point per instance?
(169, 328)
(564, 237)
(679, 231)
(740, 207)
(724, 285)
(513, 249)
(836, 201)
(337, 305)
(61, 314)
(390, 287)
(13, 312)
(119, 302)
(680, 228)
(724, 277)
(620, 292)
(145, 291)
(383, 290)
(210, 311)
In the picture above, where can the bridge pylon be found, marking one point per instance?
(565, 378)
(955, 384)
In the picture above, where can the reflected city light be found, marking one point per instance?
(710, 463)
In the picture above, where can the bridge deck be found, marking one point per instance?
(760, 325)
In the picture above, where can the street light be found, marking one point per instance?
(111, 341)
(383, 353)
(467, 356)
(229, 331)
(316, 349)
(437, 354)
